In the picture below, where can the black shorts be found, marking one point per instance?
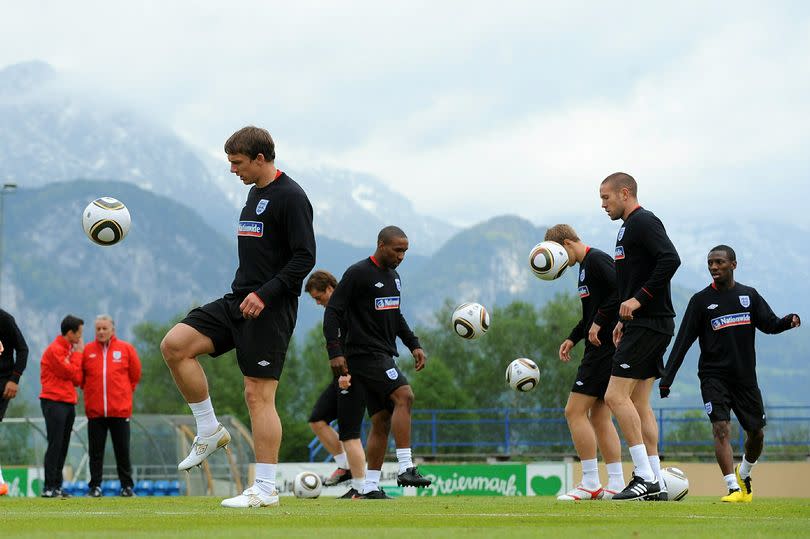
(721, 396)
(640, 354)
(325, 408)
(261, 343)
(374, 378)
(593, 373)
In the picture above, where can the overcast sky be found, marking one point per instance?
(471, 109)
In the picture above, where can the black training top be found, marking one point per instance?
(276, 241)
(600, 299)
(366, 302)
(12, 364)
(724, 321)
(645, 261)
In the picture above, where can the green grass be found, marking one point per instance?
(415, 518)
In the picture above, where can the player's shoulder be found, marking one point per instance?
(598, 255)
(744, 289)
(359, 267)
(291, 187)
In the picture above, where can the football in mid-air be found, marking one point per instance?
(548, 260)
(522, 374)
(106, 221)
(677, 483)
(470, 320)
(307, 485)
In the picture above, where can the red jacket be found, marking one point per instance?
(60, 370)
(110, 374)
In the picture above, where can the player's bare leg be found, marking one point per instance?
(584, 438)
(607, 439)
(649, 427)
(403, 399)
(331, 442)
(180, 348)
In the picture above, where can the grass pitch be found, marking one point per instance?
(416, 517)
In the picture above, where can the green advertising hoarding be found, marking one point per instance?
(547, 479)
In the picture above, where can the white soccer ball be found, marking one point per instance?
(470, 320)
(522, 374)
(106, 221)
(548, 260)
(307, 485)
(677, 483)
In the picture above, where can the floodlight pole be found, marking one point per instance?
(7, 188)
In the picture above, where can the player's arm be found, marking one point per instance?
(608, 309)
(767, 322)
(69, 367)
(297, 219)
(687, 334)
(334, 318)
(657, 243)
(411, 341)
(20, 362)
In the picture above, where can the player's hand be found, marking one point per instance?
(617, 333)
(252, 306)
(795, 322)
(339, 367)
(593, 334)
(627, 308)
(345, 381)
(77, 347)
(565, 350)
(664, 390)
(419, 358)
(10, 390)
(1, 347)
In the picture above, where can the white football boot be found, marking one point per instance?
(581, 493)
(203, 446)
(252, 497)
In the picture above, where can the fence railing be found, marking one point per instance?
(505, 432)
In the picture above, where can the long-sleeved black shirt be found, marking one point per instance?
(599, 297)
(645, 261)
(725, 322)
(366, 302)
(276, 241)
(15, 350)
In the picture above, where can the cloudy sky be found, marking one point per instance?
(471, 109)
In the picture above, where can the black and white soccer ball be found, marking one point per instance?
(470, 320)
(523, 374)
(677, 483)
(307, 485)
(548, 260)
(106, 221)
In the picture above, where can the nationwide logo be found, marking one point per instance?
(619, 253)
(583, 291)
(731, 320)
(386, 304)
(250, 228)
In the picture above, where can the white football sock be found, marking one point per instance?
(731, 481)
(373, 479)
(404, 459)
(642, 462)
(1, 475)
(342, 461)
(265, 477)
(204, 415)
(745, 467)
(615, 476)
(655, 464)
(590, 474)
(358, 483)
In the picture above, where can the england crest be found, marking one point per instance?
(399, 285)
(621, 234)
(745, 301)
(582, 276)
(261, 206)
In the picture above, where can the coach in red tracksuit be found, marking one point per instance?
(60, 371)
(111, 371)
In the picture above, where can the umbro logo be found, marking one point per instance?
(264, 363)
(580, 383)
(712, 307)
(379, 285)
(201, 448)
(624, 366)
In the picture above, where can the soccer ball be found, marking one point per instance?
(470, 320)
(106, 221)
(677, 483)
(548, 260)
(307, 485)
(522, 374)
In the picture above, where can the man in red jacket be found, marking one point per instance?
(111, 371)
(60, 372)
